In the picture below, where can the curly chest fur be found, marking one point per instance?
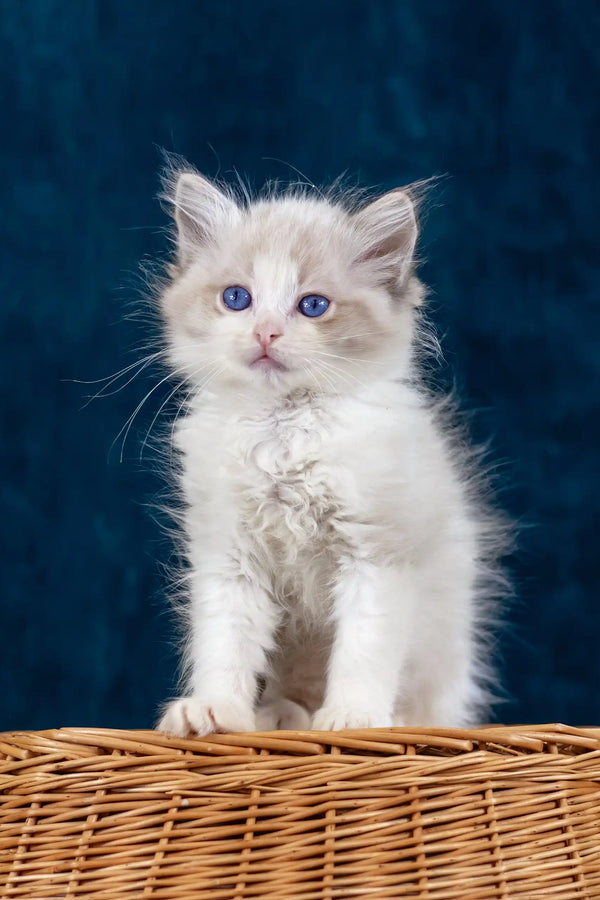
(284, 480)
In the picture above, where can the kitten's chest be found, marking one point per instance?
(282, 475)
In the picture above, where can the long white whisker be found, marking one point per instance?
(127, 426)
(310, 371)
(347, 337)
(344, 375)
(329, 381)
(357, 359)
(319, 371)
(195, 392)
(116, 374)
(103, 392)
(209, 379)
(177, 387)
(189, 393)
(140, 364)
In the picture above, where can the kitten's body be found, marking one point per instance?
(335, 546)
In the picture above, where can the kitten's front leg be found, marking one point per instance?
(373, 610)
(232, 625)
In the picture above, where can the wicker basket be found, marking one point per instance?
(471, 815)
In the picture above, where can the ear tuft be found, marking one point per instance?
(388, 233)
(200, 210)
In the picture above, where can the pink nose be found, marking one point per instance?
(265, 334)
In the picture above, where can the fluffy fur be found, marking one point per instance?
(342, 563)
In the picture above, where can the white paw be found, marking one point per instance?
(282, 715)
(190, 715)
(336, 718)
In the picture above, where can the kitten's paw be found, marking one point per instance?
(190, 715)
(282, 715)
(336, 718)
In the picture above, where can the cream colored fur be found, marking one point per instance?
(339, 552)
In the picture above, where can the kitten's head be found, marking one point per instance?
(292, 291)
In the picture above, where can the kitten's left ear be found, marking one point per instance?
(388, 234)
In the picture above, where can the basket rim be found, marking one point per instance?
(542, 738)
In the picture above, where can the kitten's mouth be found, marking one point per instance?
(267, 363)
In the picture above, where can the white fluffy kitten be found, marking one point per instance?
(340, 560)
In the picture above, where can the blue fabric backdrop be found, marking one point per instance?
(501, 95)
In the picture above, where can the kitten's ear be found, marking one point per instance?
(388, 233)
(200, 210)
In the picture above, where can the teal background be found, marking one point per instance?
(500, 96)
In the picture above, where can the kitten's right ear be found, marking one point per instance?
(200, 210)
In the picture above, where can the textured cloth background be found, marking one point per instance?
(501, 96)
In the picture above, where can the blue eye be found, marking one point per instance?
(313, 305)
(236, 298)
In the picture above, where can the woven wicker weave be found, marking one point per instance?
(475, 815)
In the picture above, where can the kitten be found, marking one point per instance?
(341, 563)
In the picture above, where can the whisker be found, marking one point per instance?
(127, 426)
(309, 370)
(330, 382)
(115, 374)
(347, 337)
(323, 375)
(194, 392)
(208, 380)
(177, 387)
(138, 362)
(104, 393)
(349, 358)
(344, 375)
(191, 391)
